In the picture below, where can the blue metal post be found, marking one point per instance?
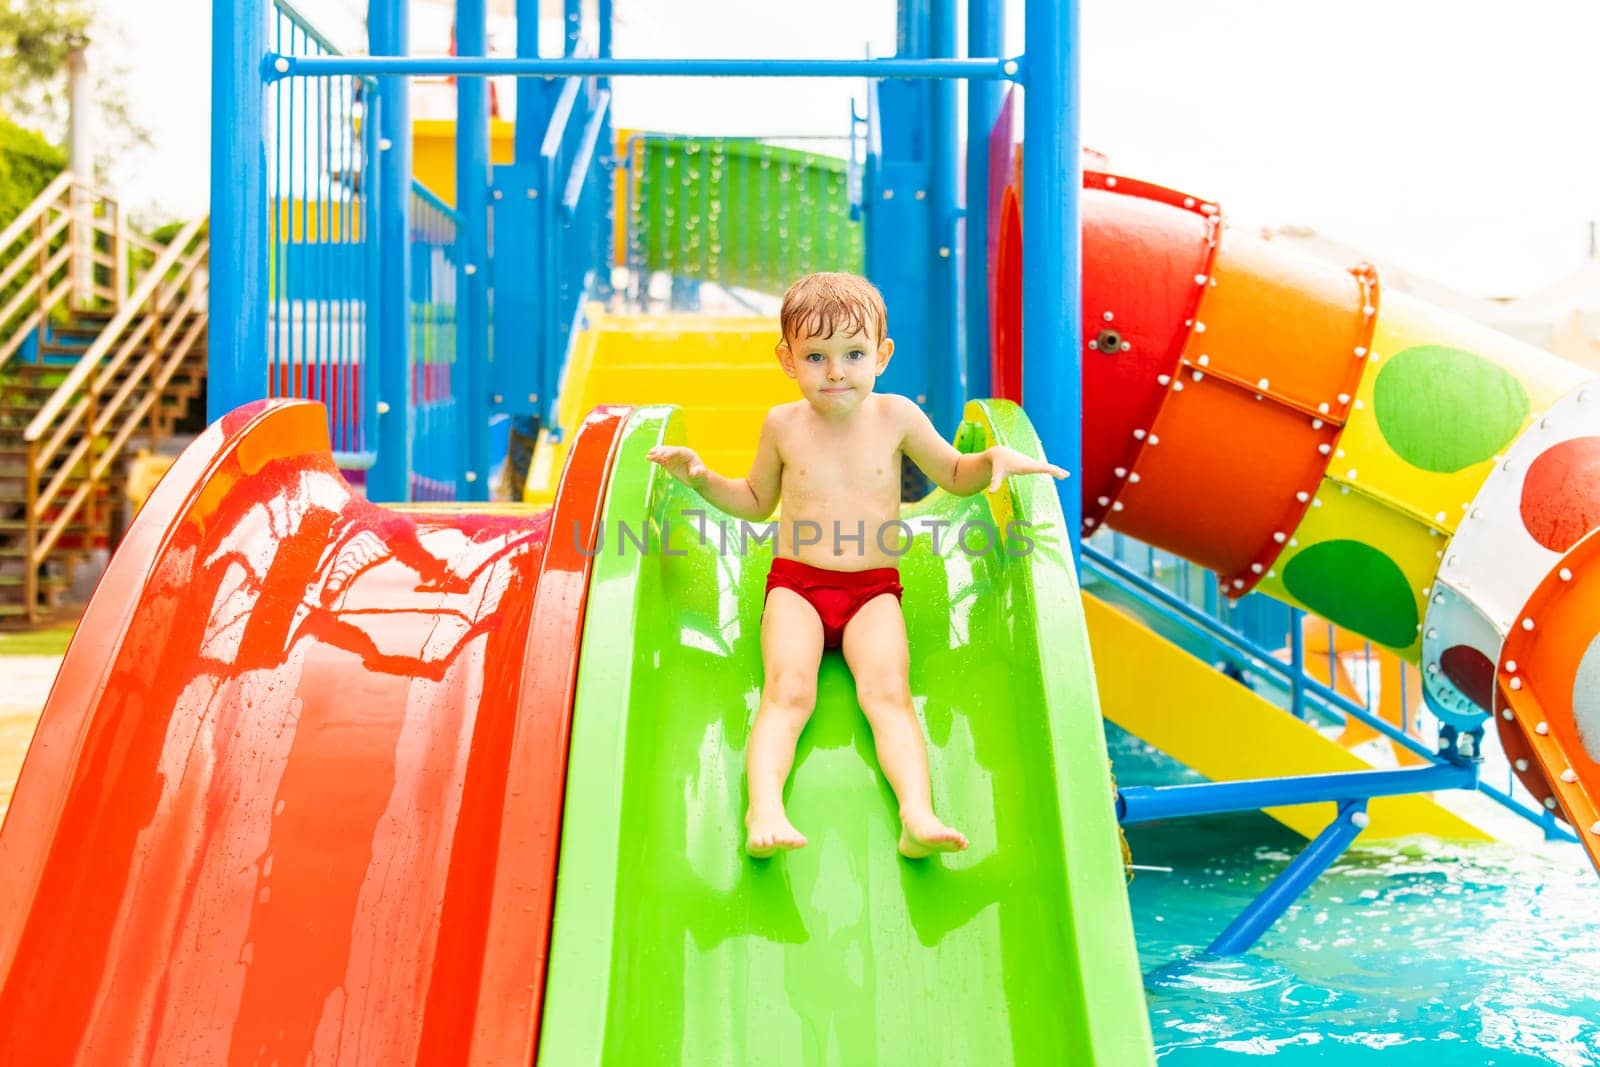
(608, 155)
(947, 383)
(572, 26)
(911, 28)
(472, 201)
(1297, 665)
(530, 91)
(237, 335)
(389, 33)
(985, 37)
(1052, 247)
(1293, 880)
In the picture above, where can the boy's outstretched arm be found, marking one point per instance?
(961, 473)
(753, 497)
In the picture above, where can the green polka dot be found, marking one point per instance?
(1357, 587)
(1444, 409)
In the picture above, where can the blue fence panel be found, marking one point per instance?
(434, 260)
(322, 250)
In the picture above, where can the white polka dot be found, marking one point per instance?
(1586, 699)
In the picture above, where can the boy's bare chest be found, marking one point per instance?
(865, 465)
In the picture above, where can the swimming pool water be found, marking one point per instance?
(1414, 952)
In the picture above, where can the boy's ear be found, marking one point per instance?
(785, 357)
(885, 353)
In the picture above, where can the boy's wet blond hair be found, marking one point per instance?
(820, 305)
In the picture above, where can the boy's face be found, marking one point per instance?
(836, 373)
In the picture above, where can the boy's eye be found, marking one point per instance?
(814, 357)
(856, 353)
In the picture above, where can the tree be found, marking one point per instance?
(35, 38)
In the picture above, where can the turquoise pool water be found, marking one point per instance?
(1404, 953)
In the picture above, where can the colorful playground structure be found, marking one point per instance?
(347, 762)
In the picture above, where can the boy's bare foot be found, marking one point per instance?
(768, 833)
(922, 834)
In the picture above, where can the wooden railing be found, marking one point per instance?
(84, 425)
(68, 249)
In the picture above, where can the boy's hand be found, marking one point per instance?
(682, 463)
(1005, 461)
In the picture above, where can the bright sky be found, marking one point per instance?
(1451, 138)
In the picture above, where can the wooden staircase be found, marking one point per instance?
(86, 372)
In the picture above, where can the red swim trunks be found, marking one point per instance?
(837, 595)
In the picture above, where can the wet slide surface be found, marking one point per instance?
(266, 816)
(672, 946)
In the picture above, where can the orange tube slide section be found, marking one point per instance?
(1378, 462)
(296, 794)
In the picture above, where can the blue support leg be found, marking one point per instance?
(237, 335)
(1292, 881)
(472, 201)
(1052, 248)
(947, 382)
(388, 31)
(985, 37)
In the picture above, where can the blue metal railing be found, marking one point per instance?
(321, 265)
(574, 188)
(434, 259)
(1262, 642)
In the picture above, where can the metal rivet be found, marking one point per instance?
(472, 476)
(383, 407)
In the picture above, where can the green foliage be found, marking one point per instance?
(27, 164)
(36, 36)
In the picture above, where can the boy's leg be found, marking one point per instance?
(791, 651)
(875, 648)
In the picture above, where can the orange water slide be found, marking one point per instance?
(1404, 473)
(296, 793)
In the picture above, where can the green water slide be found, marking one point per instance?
(671, 946)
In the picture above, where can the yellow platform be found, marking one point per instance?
(721, 371)
(1212, 724)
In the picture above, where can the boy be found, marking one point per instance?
(834, 458)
